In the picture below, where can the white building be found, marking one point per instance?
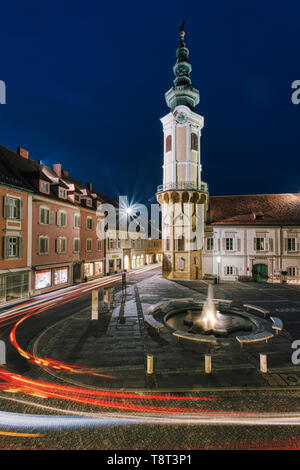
(257, 236)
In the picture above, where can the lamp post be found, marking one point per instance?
(218, 261)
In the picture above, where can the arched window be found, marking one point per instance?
(194, 141)
(168, 143)
(180, 243)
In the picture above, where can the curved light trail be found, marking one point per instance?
(131, 407)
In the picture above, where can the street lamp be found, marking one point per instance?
(218, 261)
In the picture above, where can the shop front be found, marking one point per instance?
(14, 285)
(114, 264)
(93, 269)
(52, 277)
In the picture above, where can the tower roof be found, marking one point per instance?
(182, 93)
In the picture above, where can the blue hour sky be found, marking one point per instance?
(86, 83)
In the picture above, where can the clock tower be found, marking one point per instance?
(183, 195)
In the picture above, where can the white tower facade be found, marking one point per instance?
(183, 195)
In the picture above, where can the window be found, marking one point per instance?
(13, 247)
(13, 208)
(111, 243)
(76, 245)
(194, 141)
(292, 271)
(77, 197)
(229, 270)
(45, 216)
(180, 243)
(77, 221)
(259, 244)
(118, 264)
(61, 276)
(99, 244)
(228, 244)
(43, 279)
(291, 244)
(43, 245)
(209, 244)
(62, 193)
(168, 244)
(44, 187)
(89, 244)
(89, 202)
(168, 143)
(119, 243)
(89, 223)
(61, 245)
(61, 218)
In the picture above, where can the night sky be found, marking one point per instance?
(86, 83)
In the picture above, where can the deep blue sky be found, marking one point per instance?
(86, 82)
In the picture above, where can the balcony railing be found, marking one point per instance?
(183, 185)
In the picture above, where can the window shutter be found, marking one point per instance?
(234, 244)
(286, 244)
(58, 218)
(238, 244)
(254, 244)
(225, 270)
(56, 245)
(21, 209)
(5, 207)
(21, 247)
(297, 246)
(5, 247)
(266, 244)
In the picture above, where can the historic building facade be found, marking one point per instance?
(228, 237)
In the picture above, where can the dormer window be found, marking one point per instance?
(44, 187)
(77, 198)
(62, 193)
(89, 202)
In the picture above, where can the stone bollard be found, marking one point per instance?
(207, 363)
(95, 304)
(150, 367)
(263, 363)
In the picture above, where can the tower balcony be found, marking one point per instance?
(183, 186)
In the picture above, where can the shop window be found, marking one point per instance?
(60, 276)
(43, 279)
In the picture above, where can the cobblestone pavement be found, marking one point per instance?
(118, 343)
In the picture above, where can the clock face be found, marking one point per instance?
(180, 118)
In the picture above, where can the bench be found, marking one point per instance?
(263, 336)
(194, 337)
(222, 301)
(155, 307)
(153, 323)
(257, 309)
(277, 324)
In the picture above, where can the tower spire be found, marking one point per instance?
(182, 92)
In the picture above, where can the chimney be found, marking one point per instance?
(65, 172)
(89, 187)
(57, 169)
(23, 153)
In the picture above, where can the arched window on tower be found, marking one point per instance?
(194, 141)
(180, 243)
(168, 143)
